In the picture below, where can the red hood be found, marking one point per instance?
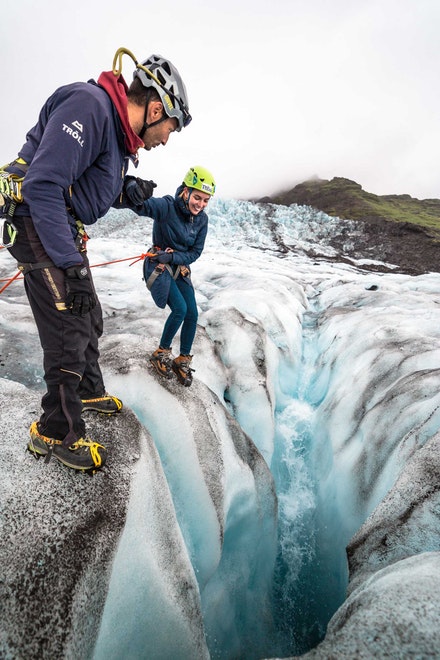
(116, 88)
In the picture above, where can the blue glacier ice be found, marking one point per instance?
(316, 394)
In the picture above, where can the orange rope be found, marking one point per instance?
(9, 280)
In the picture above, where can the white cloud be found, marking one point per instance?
(278, 91)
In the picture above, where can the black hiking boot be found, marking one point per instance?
(84, 455)
(105, 404)
(161, 361)
(182, 369)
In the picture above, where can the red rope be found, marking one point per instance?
(9, 280)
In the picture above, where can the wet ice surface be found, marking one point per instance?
(315, 379)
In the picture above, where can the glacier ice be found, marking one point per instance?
(219, 527)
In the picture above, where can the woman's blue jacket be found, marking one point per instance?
(174, 227)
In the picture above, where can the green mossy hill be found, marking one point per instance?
(346, 199)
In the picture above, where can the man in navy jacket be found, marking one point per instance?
(74, 163)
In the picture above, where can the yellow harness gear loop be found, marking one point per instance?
(10, 183)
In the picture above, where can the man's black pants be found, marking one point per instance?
(69, 343)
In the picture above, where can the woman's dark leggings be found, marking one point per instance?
(182, 302)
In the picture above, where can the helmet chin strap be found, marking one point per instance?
(186, 201)
(146, 126)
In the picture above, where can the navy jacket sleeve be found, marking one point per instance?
(184, 234)
(156, 208)
(63, 154)
(191, 253)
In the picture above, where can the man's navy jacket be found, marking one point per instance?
(77, 160)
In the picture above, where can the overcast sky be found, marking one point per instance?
(280, 91)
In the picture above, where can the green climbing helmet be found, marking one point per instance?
(201, 179)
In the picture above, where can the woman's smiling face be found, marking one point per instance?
(196, 200)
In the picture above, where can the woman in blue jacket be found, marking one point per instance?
(179, 233)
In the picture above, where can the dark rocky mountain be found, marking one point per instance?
(397, 229)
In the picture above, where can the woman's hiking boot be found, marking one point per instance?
(85, 454)
(106, 404)
(182, 369)
(161, 361)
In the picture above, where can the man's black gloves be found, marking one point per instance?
(163, 257)
(80, 297)
(138, 190)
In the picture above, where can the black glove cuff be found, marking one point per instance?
(77, 272)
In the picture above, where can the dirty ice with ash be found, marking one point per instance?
(286, 504)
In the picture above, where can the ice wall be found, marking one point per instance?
(221, 525)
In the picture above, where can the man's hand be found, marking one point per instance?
(138, 190)
(80, 298)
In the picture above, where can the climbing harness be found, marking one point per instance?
(8, 233)
(26, 268)
(160, 268)
(80, 242)
(10, 196)
(10, 187)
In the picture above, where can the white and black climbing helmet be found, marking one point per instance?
(161, 74)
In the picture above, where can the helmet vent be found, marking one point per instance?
(160, 77)
(164, 77)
